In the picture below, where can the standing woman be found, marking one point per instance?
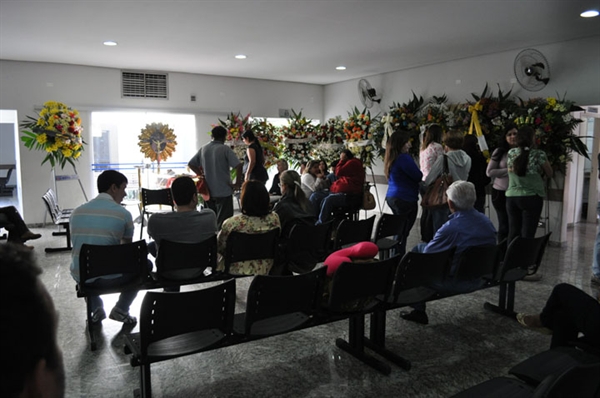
(254, 161)
(477, 174)
(526, 188)
(403, 183)
(497, 169)
(431, 149)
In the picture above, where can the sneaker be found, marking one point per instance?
(416, 316)
(595, 280)
(120, 316)
(98, 315)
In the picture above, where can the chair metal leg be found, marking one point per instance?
(145, 381)
(91, 326)
(506, 301)
(376, 341)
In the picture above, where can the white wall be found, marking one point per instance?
(26, 85)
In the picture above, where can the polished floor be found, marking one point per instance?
(463, 344)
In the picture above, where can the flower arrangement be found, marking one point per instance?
(552, 120)
(404, 117)
(57, 130)
(298, 139)
(330, 140)
(269, 138)
(438, 112)
(235, 125)
(157, 142)
(363, 137)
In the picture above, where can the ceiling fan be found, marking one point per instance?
(532, 70)
(367, 94)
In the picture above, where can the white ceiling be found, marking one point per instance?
(289, 40)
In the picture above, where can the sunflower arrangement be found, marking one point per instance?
(57, 131)
(269, 138)
(363, 135)
(157, 142)
(553, 123)
(298, 139)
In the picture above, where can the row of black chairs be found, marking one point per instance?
(60, 218)
(274, 306)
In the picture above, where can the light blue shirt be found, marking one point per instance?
(101, 221)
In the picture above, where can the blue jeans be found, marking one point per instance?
(324, 203)
(409, 211)
(125, 298)
(523, 215)
(596, 263)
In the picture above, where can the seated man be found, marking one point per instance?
(186, 224)
(466, 227)
(346, 190)
(103, 221)
(18, 232)
(29, 329)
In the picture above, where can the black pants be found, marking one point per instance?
(523, 215)
(570, 311)
(499, 203)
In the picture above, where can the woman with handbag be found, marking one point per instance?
(526, 188)
(403, 184)
(431, 149)
(254, 161)
(457, 164)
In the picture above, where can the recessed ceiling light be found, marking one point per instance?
(110, 43)
(589, 14)
(240, 56)
(341, 67)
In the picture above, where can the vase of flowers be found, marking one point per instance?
(57, 130)
(436, 111)
(363, 137)
(235, 124)
(298, 139)
(330, 140)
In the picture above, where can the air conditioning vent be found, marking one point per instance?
(144, 85)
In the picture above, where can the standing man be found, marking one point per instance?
(215, 160)
(103, 221)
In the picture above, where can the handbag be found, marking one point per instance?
(202, 186)
(435, 195)
(368, 199)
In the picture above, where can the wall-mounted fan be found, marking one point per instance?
(367, 94)
(532, 70)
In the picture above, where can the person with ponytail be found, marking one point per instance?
(403, 177)
(526, 188)
(293, 207)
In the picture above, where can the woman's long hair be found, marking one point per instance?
(310, 165)
(432, 134)
(503, 146)
(393, 149)
(524, 141)
(255, 200)
(291, 180)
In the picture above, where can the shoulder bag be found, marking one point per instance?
(435, 195)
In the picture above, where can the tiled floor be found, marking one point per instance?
(463, 344)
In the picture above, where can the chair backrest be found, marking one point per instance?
(183, 261)
(5, 180)
(388, 225)
(242, 246)
(581, 380)
(51, 205)
(476, 262)
(157, 197)
(350, 231)
(361, 286)
(270, 298)
(416, 272)
(523, 256)
(168, 318)
(129, 260)
(306, 246)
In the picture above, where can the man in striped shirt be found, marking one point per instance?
(103, 221)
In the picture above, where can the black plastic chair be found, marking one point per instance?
(128, 260)
(179, 263)
(60, 219)
(242, 246)
(476, 266)
(177, 324)
(305, 247)
(349, 232)
(279, 304)
(523, 257)
(387, 226)
(578, 381)
(153, 198)
(358, 289)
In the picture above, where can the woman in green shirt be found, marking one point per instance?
(526, 187)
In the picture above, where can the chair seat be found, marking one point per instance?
(386, 243)
(184, 344)
(271, 326)
(414, 295)
(499, 387)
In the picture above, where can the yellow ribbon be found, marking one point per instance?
(473, 109)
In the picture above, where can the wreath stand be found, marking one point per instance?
(376, 192)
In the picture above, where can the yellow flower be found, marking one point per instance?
(551, 102)
(76, 155)
(67, 152)
(58, 143)
(41, 138)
